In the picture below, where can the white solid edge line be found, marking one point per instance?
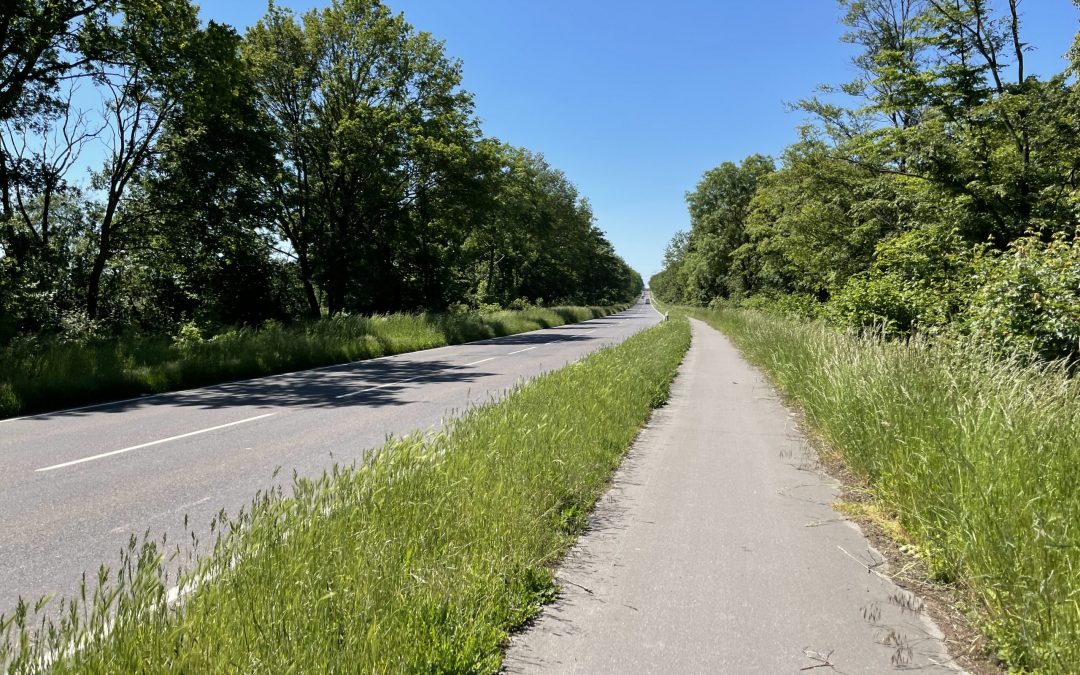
(158, 442)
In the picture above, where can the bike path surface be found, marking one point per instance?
(716, 551)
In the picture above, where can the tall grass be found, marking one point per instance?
(420, 559)
(979, 457)
(37, 375)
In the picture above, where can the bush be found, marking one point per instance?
(888, 302)
(9, 402)
(1028, 300)
(795, 305)
(189, 335)
(918, 283)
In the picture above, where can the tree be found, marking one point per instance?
(372, 132)
(209, 187)
(718, 210)
(143, 77)
(41, 43)
(320, 164)
(43, 52)
(941, 197)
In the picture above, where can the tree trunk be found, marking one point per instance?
(305, 278)
(93, 286)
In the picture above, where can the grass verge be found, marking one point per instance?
(978, 457)
(419, 559)
(39, 375)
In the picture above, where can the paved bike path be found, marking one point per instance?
(716, 551)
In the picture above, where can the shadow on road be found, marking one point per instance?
(527, 339)
(363, 383)
(368, 383)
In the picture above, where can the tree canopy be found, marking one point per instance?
(938, 192)
(319, 163)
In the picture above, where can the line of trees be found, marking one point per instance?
(315, 165)
(938, 192)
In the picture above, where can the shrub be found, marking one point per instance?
(1028, 299)
(918, 283)
(795, 305)
(9, 402)
(189, 335)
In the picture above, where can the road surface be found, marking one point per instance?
(76, 484)
(716, 551)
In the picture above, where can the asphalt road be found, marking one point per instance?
(716, 551)
(76, 484)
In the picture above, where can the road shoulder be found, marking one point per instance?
(716, 550)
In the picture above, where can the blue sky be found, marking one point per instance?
(634, 100)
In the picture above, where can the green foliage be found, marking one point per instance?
(935, 193)
(319, 164)
(420, 559)
(718, 212)
(376, 151)
(697, 263)
(190, 335)
(793, 305)
(539, 241)
(976, 455)
(209, 187)
(1028, 299)
(9, 401)
(918, 282)
(815, 223)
